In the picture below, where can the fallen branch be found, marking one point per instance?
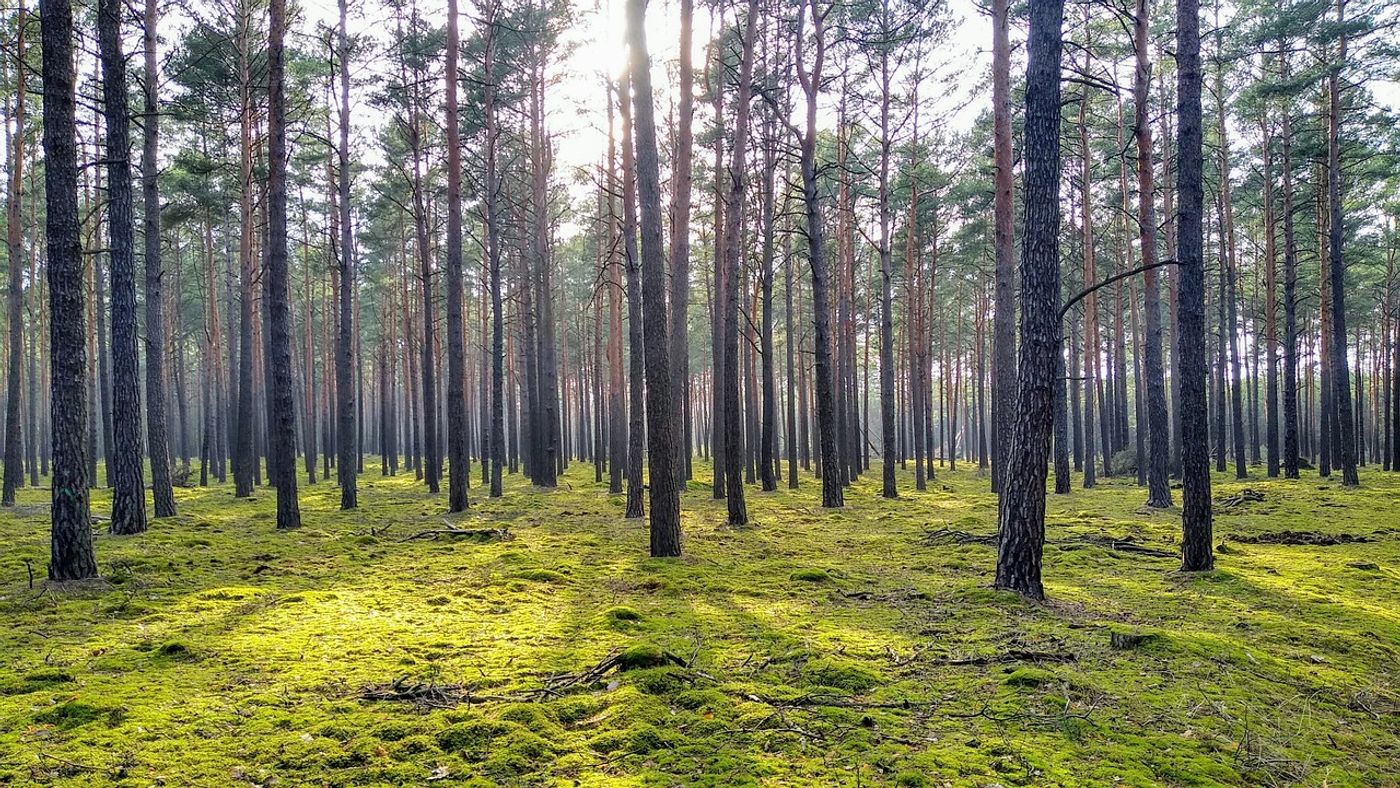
(501, 534)
(1124, 545)
(436, 696)
(1247, 495)
(1298, 538)
(1014, 655)
(953, 536)
(446, 696)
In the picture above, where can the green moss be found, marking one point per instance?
(658, 681)
(392, 731)
(841, 674)
(621, 616)
(75, 714)
(542, 576)
(1289, 642)
(639, 739)
(34, 681)
(642, 655)
(409, 747)
(1028, 677)
(810, 575)
(174, 649)
(532, 717)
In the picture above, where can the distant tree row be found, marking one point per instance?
(798, 253)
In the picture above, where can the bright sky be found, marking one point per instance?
(956, 93)
(577, 112)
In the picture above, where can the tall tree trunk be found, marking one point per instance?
(1270, 263)
(768, 439)
(1022, 510)
(1158, 443)
(833, 494)
(1196, 544)
(1231, 330)
(680, 237)
(790, 340)
(347, 446)
(1290, 403)
(662, 421)
(1093, 377)
(887, 406)
(283, 393)
(636, 407)
(617, 402)
(546, 392)
(731, 262)
(1004, 242)
(496, 440)
(14, 236)
(717, 297)
(157, 444)
(458, 473)
(128, 491)
(71, 552)
(243, 428)
(1341, 376)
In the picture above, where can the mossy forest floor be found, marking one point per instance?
(814, 648)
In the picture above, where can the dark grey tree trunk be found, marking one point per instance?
(347, 446)
(1196, 544)
(680, 238)
(128, 489)
(279, 349)
(157, 443)
(545, 396)
(833, 494)
(1157, 447)
(887, 405)
(244, 426)
(1290, 403)
(14, 236)
(636, 407)
(1004, 315)
(71, 551)
(790, 340)
(733, 229)
(496, 440)
(768, 439)
(662, 421)
(1341, 375)
(617, 402)
(458, 472)
(1022, 509)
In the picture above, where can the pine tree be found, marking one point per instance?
(1196, 544)
(128, 490)
(71, 552)
(661, 416)
(158, 446)
(279, 350)
(1022, 510)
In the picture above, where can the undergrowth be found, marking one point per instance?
(853, 647)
